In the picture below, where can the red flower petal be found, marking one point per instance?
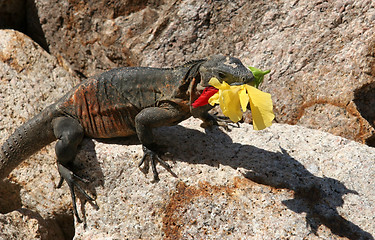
(203, 98)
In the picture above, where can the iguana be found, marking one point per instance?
(119, 103)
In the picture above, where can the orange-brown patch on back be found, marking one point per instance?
(100, 115)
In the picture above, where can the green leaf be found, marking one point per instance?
(258, 75)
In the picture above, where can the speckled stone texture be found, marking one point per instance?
(26, 224)
(279, 183)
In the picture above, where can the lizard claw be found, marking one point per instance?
(153, 156)
(220, 121)
(69, 177)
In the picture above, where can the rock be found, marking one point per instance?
(30, 80)
(94, 36)
(25, 224)
(321, 66)
(282, 182)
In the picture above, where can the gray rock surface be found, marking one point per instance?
(282, 182)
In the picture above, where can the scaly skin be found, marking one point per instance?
(120, 103)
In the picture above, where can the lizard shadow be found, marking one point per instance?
(87, 166)
(10, 198)
(317, 197)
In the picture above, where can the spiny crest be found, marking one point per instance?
(193, 62)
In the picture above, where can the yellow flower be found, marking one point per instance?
(234, 98)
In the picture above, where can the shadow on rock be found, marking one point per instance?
(318, 197)
(10, 199)
(364, 99)
(87, 166)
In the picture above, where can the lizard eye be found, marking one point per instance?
(221, 75)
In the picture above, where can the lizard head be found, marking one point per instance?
(228, 69)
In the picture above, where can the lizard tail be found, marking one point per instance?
(26, 140)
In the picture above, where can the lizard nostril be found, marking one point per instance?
(249, 79)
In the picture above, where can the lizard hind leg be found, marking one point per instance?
(69, 134)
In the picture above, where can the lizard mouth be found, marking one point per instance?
(237, 83)
(204, 97)
(200, 88)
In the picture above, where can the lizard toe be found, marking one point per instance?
(70, 177)
(152, 156)
(221, 121)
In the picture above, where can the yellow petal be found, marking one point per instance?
(230, 103)
(214, 99)
(228, 99)
(216, 83)
(244, 98)
(234, 98)
(261, 108)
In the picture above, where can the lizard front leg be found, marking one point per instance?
(145, 121)
(209, 120)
